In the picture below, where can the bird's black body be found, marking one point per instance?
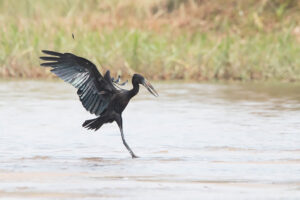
(98, 94)
(114, 109)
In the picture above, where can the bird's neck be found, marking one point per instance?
(134, 90)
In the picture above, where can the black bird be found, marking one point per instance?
(98, 94)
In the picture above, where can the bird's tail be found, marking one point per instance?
(94, 124)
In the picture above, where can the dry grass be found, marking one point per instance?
(164, 39)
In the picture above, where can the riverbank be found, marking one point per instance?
(165, 40)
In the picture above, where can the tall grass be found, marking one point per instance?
(180, 39)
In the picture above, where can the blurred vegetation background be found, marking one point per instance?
(199, 40)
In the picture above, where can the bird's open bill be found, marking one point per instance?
(150, 88)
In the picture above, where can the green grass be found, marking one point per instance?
(166, 52)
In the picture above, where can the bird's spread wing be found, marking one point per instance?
(94, 90)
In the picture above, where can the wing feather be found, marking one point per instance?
(94, 90)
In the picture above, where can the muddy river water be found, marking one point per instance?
(195, 141)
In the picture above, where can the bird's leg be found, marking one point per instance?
(124, 83)
(117, 81)
(120, 124)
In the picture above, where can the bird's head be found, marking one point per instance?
(139, 79)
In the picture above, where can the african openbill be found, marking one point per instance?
(98, 94)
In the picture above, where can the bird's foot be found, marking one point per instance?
(134, 156)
